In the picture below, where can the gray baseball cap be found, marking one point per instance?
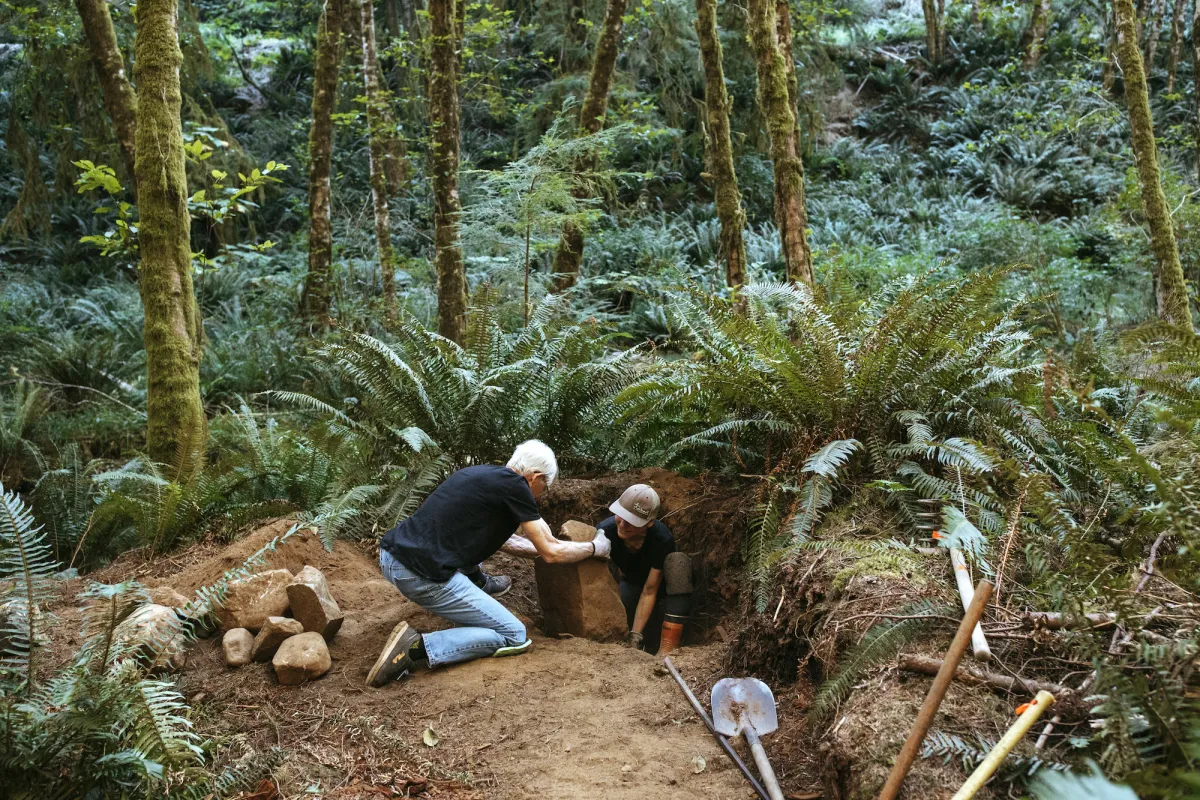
(637, 505)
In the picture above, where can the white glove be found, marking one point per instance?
(602, 544)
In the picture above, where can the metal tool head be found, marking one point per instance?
(743, 702)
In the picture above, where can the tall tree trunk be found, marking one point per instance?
(376, 136)
(1108, 75)
(443, 159)
(790, 213)
(1170, 290)
(783, 32)
(175, 425)
(933, 33)
(1196, 75)
(572, 54)
(315, 300)
(1154, 20)
(1176, 44)
(392, 12)
(119, 99)
(591, 119)
(719, 146)
(1034, 40)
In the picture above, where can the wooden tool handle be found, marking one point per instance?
(764, 764)
(937, 691)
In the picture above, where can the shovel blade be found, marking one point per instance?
(743, 702)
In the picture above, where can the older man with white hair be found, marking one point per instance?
(433, 559)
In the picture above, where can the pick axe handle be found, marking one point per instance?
(708, 723)
(937, 691)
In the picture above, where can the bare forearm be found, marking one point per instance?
(519, 546)
(561, 552)
(641, 614)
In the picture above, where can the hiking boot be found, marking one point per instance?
(395, 660)
(495, 585)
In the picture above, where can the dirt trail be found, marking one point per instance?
(570, 719)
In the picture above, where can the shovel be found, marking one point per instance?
(746, 706)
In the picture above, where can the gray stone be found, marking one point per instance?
(153, 636)
(275, 631)
(313, 604)
(237, 645)
(581, 598)
(301, 658)
(249, 601)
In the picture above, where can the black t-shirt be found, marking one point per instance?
(635, 566)
(462, 522)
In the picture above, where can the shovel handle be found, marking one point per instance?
(764, 764)
(708, 723)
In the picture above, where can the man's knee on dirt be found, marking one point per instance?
(513, 633)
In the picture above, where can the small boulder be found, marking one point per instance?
(167, 596)
(249, 601)
(275, 631)
(302, 658)
(153, 635)
(237, 644)
(313, 604)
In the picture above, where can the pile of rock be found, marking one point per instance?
(256, 628)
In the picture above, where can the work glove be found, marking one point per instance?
(635, 640)
(603, 545)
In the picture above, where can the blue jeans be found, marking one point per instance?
(489, 625)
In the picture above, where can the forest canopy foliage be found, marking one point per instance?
(914, 268)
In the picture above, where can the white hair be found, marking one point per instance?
(534, 456)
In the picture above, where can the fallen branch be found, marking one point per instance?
(927, 665)
(1057, 620)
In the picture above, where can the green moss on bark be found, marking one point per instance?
(120, 102)
(444, 32)
(315, 300)
(775, 103)
(377, 148)
(1170, 289)
(591, 119)
(719, 146)
(175, 416)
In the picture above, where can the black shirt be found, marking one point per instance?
(635, 566)
(462, 522)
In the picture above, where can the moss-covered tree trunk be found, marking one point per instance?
(1033, 42)
(719, 146)
(377, 148)
(119, 100)
(316, 298)
(175, 426)
(443, 162)
(1196, 72)
(1170, 290)
(783, 32)
(1153, 29)
(773, 99)
(933, 30)
(1176, 44)
(591, 119)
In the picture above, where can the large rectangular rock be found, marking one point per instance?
(581, 598)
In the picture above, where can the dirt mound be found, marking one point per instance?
(572, 718)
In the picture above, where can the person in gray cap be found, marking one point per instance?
(656, 579)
